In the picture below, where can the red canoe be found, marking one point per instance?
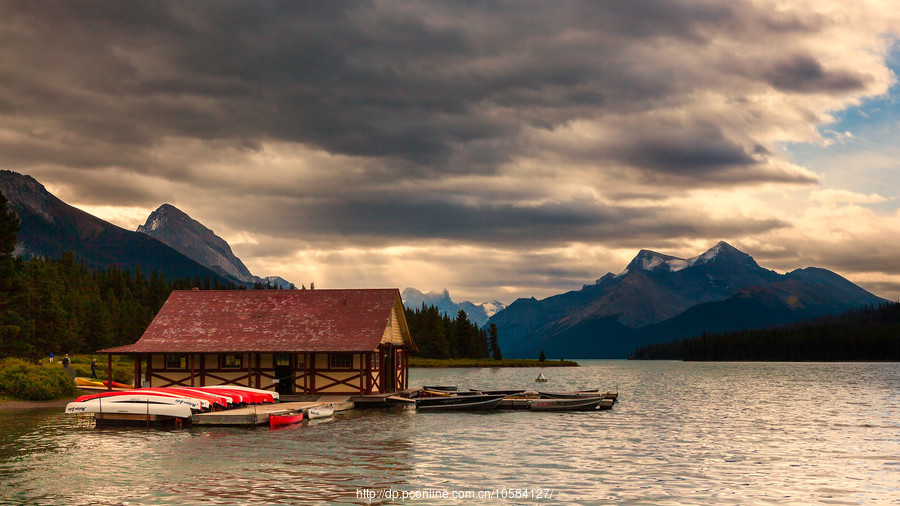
(277, 420)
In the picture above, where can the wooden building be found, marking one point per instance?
(290, 341)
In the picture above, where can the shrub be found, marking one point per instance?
(25, 381)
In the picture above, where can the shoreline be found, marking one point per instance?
(13, 405)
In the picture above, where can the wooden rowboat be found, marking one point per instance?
(281, 419)
(459, 403)
(576, 404)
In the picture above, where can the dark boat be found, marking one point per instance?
(459, 402)
(443, 388)
(577, 395)
(573, 404)
(495, 392)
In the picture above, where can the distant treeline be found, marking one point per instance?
(869, 333)
(437, 336)
(59, 306)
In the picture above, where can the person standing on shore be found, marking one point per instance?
(51, 357)
(65, 361)
(94, 368)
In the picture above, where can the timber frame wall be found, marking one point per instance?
(312, 372)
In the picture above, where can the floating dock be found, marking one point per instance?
(259, 414)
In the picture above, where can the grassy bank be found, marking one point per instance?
(487, 362)
(26, 381)
(22, 380)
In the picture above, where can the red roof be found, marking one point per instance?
(220, 321)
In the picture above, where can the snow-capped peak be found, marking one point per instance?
(651, 261)
(710, 254)
(493, 307)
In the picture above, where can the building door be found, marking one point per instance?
(390, 370)
(284, 372)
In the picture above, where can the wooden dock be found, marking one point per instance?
(259, 414)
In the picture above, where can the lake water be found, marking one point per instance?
(682, 433)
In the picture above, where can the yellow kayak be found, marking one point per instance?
(85, 382)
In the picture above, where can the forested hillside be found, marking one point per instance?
(438, 336)
(870, 333)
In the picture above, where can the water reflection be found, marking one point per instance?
(681, 433)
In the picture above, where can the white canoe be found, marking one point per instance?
(323, 411)
(107, 406)
(152, 398)
(194, 403)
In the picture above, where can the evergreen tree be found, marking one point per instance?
(9, 228)
(542, 357)
(10, 288)
(494, 343)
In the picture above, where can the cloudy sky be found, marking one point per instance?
(498, 149)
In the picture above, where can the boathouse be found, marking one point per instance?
(291, 341)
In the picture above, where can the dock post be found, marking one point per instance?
(109, 379)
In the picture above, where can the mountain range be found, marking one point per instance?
(477, 313)
(170, 242)
(656, 298)
(660, 297)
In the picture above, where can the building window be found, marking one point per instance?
(176, 361)
(283, 359)
(376, 361)
(232, 360)
(340, 360)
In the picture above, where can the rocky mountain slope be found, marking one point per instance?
(174, 227)
(659, 297)
(49, 227)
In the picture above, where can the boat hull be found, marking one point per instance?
(459, 403)
(317, 412)
(577, 404)
(280, 420)
(138, 410)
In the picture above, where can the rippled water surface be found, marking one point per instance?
(682, 433)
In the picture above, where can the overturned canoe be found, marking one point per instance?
(130, 411)
(134, 396)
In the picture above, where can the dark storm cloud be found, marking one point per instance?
(434, 218)
(424, 83)
(417, 93)
(803, 73)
